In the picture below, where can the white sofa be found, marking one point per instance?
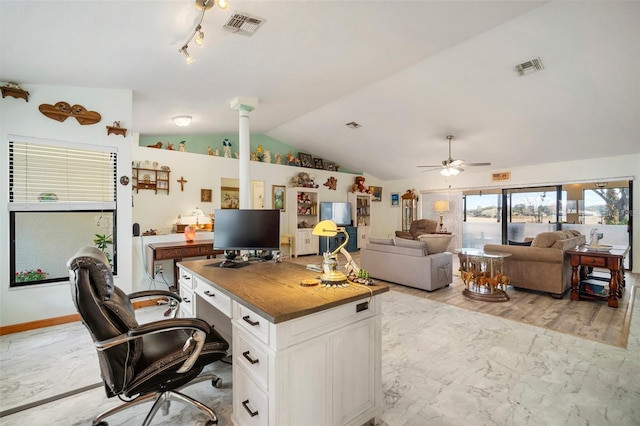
(406, 262)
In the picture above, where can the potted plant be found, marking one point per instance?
(103, 241)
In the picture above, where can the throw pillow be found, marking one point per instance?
(545, 239)
(401, 242)
(520, 243)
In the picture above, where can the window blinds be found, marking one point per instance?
(58, 177)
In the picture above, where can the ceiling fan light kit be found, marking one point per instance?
(451, 167)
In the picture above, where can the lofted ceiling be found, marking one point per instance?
(409, 72)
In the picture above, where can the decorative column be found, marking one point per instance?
(244, 106)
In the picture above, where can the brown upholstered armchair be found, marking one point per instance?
(141, 362)
(417, 228)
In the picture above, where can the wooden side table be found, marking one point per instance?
(588, 259)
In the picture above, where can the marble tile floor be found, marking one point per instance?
(441, 365)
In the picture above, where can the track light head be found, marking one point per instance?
(199, 38)
(188, 58)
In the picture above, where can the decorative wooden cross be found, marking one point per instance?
(182, 181)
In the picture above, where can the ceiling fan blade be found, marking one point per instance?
(456, 163)
(477, 164)
(431, 166)
(432, 169)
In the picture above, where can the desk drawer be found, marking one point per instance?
(253, 323)
(187, 306)
(186, 279)
(252, 358)
(250, 403)
(213, 296)
(598, 262)
(177, 253)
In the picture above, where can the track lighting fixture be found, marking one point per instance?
(198, 35)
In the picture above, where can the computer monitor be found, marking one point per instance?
(246, 229)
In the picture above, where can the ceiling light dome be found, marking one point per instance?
(182, 120)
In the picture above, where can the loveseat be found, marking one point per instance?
(406, 262)
(542, 266)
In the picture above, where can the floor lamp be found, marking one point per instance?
(441, 206)
(331, 275)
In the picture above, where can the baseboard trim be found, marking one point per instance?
(33, 325)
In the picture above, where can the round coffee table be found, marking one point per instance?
(482, 275)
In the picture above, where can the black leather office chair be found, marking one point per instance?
(141, 361)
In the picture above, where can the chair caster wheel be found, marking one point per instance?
(211, 423)
(217, 382)
(102, 423)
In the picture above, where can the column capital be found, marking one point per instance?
(244, 104)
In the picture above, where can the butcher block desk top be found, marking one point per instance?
(274, 291)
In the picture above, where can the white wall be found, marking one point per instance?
(21, 118)
(387, 220)
(159, 211)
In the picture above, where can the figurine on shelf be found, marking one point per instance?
(226, 148)
(267, 156)
(291, 160)
(260, 154)
(278, 158)
(169, 146)
(182, 146)
(156, 145)
(209, 150)
(331, 183)
(359, 186)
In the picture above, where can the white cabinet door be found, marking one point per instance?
(306, 242)
(363, 236)
(354, 368)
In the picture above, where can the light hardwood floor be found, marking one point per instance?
(589, 319)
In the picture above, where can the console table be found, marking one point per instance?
(587, 259)
(301, 355)
(177, 251)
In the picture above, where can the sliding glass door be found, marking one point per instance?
(530, 211)
(501, 216)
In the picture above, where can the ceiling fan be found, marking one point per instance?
(451, 167)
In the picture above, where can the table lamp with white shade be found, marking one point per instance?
(331, 275)
(441, 206)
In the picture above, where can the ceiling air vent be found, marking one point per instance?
(243, 23)
(529, 67)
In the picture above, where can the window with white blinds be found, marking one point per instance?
(58, 177)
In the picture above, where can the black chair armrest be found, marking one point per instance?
(201, 329)
(152, 293)
(170, 324)
(153, 327)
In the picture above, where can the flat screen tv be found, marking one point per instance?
(340, 213)
(246, 229)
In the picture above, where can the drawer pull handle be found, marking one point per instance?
(245, 404)
(186, 277)
(252, 361)
(253, 323)
(185, 300)
(208, 293)
(593, 261)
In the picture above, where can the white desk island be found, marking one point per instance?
(302, 355)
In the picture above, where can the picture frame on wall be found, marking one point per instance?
(306, 160)
(318, 163)
(205, 195)
(279, 197)
(395, 199)
(229, 197)
(330, 166)
(376, 193)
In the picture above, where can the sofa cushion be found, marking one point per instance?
(547, 239)
(385, 241)
(406, 251)
(401, 242)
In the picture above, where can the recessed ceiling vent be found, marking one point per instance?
(529, 67)
(243, 23)
(353, 125)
